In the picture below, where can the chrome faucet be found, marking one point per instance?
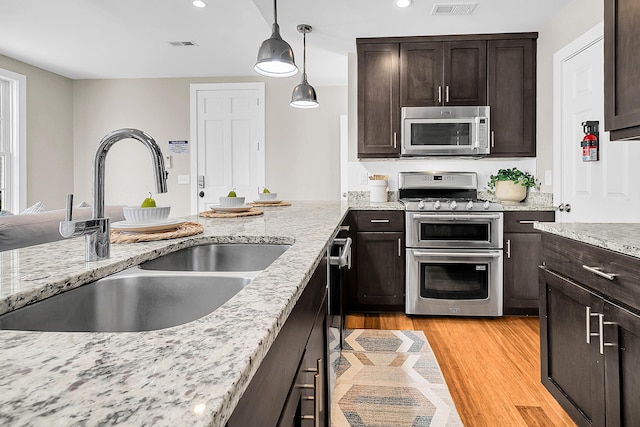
(97, 229)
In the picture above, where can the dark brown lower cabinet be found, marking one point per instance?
(290, 386)
(378, 282)
(590, 343)
(522, 245)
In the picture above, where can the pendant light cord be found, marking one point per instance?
(304, 56)
(275, 12)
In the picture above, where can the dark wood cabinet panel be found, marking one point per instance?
(589, 339)
(380, 270)
(511, 84)
(376, 281)
(378, 100)
(271, 393)
(421, 75)
(465, 73)
(521, 260)
(443, 73)
(572, 369)
(622, 68)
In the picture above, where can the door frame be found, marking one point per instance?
(583, 42)
(194, 88)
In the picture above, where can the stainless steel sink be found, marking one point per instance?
(218, 257)
(130, 301)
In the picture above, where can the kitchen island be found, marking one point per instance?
(192, 374)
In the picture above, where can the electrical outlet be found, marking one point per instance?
(364, 178)
(183, 179)
(547, 177)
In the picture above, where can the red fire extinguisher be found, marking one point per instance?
(590, 145)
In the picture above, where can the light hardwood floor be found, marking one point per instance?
(491, 366)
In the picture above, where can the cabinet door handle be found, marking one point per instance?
(446, 96)
(317, 394)
(399, 247)
(439, 94)
(380, 221)
(599, 272)
(493, 140)
(601, 324)
(588, 324)
(395, 140)
(509, 248)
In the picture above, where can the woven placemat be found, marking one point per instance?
(184, 230)
(268, 205)
(214, 214)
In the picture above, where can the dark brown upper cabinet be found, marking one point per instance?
(498, 70)
(378, 100)
(512, 88)
(622, 69)
(443, 73)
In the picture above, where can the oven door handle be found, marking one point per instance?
(492, 254)
(457, 217)
(344, 259)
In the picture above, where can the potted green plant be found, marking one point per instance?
(510, 185)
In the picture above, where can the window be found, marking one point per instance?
(12, 141)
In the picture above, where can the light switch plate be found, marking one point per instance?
(183, 179)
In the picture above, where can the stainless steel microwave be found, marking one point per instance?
(445, 131)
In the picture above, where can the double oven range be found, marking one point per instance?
(453, 245)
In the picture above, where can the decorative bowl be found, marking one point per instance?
(268, 196)
(229, 202)
(138, 215)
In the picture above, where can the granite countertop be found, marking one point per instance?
(618, 237)
(192, 374)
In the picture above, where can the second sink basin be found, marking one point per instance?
(127, 302)
(218, 257)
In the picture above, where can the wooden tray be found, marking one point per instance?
(213, 214)
(268, 205)
(183, 230)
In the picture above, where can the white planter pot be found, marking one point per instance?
(509, 192)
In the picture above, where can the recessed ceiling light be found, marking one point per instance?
(403, 3)
(199, 3)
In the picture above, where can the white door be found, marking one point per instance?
(597, 191)
(228, 130)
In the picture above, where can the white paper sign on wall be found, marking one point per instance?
(178, 147)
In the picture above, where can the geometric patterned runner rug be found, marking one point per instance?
(390, 379)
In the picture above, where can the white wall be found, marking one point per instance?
(49, 134)
(302, 146)
(572, 21)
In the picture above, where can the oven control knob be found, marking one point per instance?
(454, 205)
(436, 205)
(421, 204)
(486, 205)
(470, 205)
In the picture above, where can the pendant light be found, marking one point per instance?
(304, 95)
(275, 57)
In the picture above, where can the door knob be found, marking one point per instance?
(564, 207)
(201, 194)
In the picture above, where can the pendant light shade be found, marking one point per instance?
(304, 95)
(275, 57)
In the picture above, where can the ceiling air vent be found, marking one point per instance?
(453, 9)
(178, 44)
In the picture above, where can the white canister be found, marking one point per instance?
(378, 190)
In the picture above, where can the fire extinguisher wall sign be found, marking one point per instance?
(590, 143)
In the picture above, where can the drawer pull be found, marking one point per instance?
(597, 271)
(528, 221)
(380, 221)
